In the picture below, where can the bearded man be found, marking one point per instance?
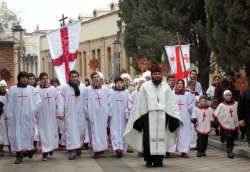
(155, 121)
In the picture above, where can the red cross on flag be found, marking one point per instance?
(176, 61)
(63, 46)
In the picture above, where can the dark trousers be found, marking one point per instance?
(229, 135)
(248, 134)
(45, 154)
(202, 142)
(19, 155)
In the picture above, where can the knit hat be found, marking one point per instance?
(226, 92)
(126, 75)
(146, 74)
(142, 79)
(21, 74)
(118, 79)
(3, 83)
(135, 81)
(155, 68)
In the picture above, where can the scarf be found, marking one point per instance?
(45, 86)
(75, 87)
(21, 85)
(179, 92)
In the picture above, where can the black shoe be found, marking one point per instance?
(222, 140)
(30, 154)
(101, 152)
(119, 153)
(61, 146)
(78, 152)
(242, 137)
(35, 150)
(168, 155)
(18, 161)
(203, 153)
(83, 148)
(217, 133)
(130, 151)
(25, 154)
(45, 158)
(230, 153)
(199, 154)
(148, 164)
(86, 145)
(161, 165)
(51, 153)
(96, 155)
(72, 157)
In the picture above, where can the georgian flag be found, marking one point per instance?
(63, 45)
(176, 62)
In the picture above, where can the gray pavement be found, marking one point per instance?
(216, 161)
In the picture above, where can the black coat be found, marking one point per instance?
(244, 107)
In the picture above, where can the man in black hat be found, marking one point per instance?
(20, 120)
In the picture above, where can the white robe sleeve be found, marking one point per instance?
(61, 105)
(110, 106)
(37, 103)
(85, 102)
(192, 106)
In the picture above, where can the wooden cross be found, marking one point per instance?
(180, 104)
(75, 98)
(22, 96)
(99, 99)
(63, 18)
(48, 97)
(231, 112)
(204, 116)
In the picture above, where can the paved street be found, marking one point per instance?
(215, 161)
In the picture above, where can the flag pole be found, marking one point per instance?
(179, 41)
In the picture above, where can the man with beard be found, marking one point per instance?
(155, 112)
(193, 76)
(171, 81)
(46, 117)
(117, 120)
(21, 105)
(97, 110)
(3, 129)
(71, 111)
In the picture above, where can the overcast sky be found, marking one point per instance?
(46, 13)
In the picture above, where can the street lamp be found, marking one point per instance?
(17, 35)
(117, 49)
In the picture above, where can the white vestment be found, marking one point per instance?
(198, 88)
(187, 109)
(97, 110)
(71, 108)
(226, 115)
(21, 105)
(131, 101)
(119, 103)
(3, 128)
(210, 93)
(204, 118)
(46, 119)
(146, 102)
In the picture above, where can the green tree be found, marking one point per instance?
(151, 24)
(229, 32)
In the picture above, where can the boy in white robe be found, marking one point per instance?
(71, 111)
(226, 115)
(184, 101)
(3, 129)
(21, 104)
(204, 117)
(117, 119)
(46, 117)
(97, 110)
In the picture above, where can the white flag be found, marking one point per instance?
(176, 61)
(63, 45)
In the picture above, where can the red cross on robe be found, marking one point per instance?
(48, 97)
(231, 112)
(22, 97)
(99, 99)
(204, 116)
(180, 104)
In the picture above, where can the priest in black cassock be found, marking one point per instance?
(155, 120)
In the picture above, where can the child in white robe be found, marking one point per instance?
(226, 115)
(204, 117)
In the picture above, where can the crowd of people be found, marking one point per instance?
(154, 117)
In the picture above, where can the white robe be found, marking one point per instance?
(3, 128)
(146, 102)
(226, 115)
(46, 119)
(119, 103)
(131, 101)
(71, 108)
(187, 109)
(204, 118)
(21, 105)
(198, 88)
(210, 93)
(97, 110)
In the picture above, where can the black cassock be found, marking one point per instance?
(142, 124)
